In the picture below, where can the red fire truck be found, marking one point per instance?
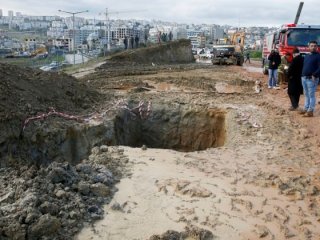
(287, 38)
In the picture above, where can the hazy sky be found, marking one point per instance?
(232, 12)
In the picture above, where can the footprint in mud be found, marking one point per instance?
(241, 205)
(182, 187)
(125, 207)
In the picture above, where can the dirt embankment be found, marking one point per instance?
(26, 93)
(41, 195)
(171, 52)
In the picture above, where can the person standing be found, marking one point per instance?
(294, 79)
(274, 62)
(132, 41)
(170, 36)
(310, 79)
(125, 42)
(282, 72)
(136, 40)
(247, 57)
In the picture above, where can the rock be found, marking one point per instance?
(191, 232)
(95, 216)
(74, 215)
(144, 147)
(47, 225)
(116, 207)
(7, 198)
(83, 188)
(59, 175)
(262, 231)
(29, 200)
(104, 176)
(95, 151)
(84, 167)
(95, 209)
(99, 189)
(60, 194)
(48, 207)
(32, 216)
(314, 191)
(283, 186)
(104, 148)
(14, 231)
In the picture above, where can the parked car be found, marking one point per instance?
(51, 67)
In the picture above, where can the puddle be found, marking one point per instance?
(253, 69)
(227, 88)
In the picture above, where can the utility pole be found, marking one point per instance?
(108, 26)
(296, 20)
(73, 32)
(106, 30)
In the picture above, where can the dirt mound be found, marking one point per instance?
(25, 93)
(171, 52)
(53, 202)
(192, 232)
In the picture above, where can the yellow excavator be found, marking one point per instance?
(230, 51)
(40, 51)
(237, 39)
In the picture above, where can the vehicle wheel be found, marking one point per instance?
(240, 62)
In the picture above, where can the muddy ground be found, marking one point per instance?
(203, 157)
(261, 182)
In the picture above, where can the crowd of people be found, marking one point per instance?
(302, 76)
(131, 42)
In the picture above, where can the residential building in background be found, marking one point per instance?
(96, 34)
(216, 33)
(10, 14)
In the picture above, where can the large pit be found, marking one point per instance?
(181, 129)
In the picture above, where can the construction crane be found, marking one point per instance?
(107, 29)
(298, 13)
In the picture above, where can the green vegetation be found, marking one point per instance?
(256, 54)
(32, 62)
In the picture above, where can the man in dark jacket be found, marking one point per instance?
(310, 78)
(294, 79)
(136, 40)
(125, 42)
(132, 41)
(274, 62)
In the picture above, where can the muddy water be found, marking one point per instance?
(222, 87)
(254, 69)
(208, 189)
(165, 87)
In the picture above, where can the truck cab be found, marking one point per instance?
(288, 37)
(227, 54)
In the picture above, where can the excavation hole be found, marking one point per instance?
(181, 129)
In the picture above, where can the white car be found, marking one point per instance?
(51, 67)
